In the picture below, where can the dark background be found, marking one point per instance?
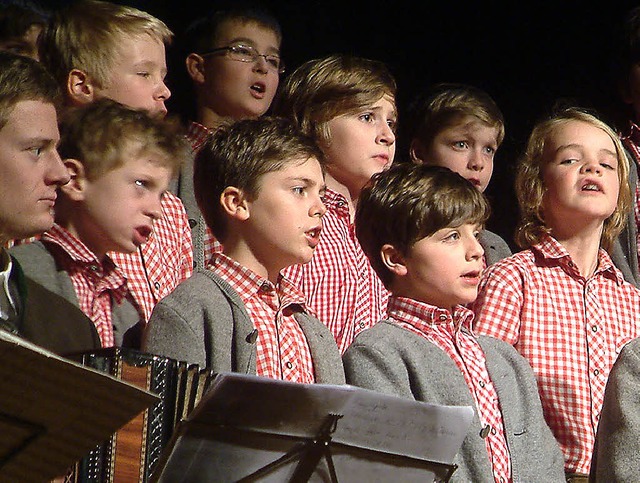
(527, 55)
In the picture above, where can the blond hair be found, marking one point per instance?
(322, 89)
(530, 188)
(87, 34)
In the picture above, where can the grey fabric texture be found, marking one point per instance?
(393, 360)
(205, 322)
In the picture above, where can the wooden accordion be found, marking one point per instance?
(133, 452)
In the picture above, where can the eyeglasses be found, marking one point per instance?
(247, 53)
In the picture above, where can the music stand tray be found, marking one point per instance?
(249, 428)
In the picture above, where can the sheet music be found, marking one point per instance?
(53, 411)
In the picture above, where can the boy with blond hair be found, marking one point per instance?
(120, 162)
(98, 50)
(560, 301)
(259, 184)
(460, 127)
(419, 226)
(347, 105)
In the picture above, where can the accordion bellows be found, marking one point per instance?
(133, 452)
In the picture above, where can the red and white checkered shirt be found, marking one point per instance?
(95, 282)
(632, 142)
(569, 328)
(164, 261)
(282, 351)
(197, 134)
(454, 337)
(341, 287)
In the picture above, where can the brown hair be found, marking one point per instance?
(238, 154)
(322, 89)
(408, 202)
(102, 134)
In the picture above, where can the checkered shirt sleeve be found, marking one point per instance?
(340, 286)
(452, 334)
(282, 350)
(164, 261)
(569, 328)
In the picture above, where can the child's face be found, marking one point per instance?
(121, 206)
(284, 223)
(137, 75)
(235, 89)
(361, 144)
(580, 174)
(467, 148)
(444, 269)
(30, 170)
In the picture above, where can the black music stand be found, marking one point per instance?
(249, 429)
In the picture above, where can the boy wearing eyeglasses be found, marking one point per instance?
(232, 57)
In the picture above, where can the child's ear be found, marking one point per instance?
(80, 87)
(195, 67)
(75, 188)
(416, 152)
(234, 202)
(393, 260)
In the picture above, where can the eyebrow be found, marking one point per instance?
(581, 147)
(246, 40)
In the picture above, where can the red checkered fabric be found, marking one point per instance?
(164, 261)
(632, 143)
(282, 351)
(95, 282)
(569, 328)
(452, 334)
(339, 283)
(197, 134)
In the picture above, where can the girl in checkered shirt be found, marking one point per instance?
(561, 302)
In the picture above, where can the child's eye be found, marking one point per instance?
(607, 166)
(144, 74)
(299, 190)
(141, 183)
(367, 116)
(453, 236)
(489, 150)
(36, 151)
(569, 161)
(392, 124)
(461, 145)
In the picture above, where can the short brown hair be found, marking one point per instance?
(530, 187)
(238, 154)
(408, 202)
(24, 79)
(446, 105)
(86, 34)
(102, 134)
(322, 89)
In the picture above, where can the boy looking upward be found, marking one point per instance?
(120, 162)
(460, 127)
(560, 301)
(259, 184)
(347, 105)
(419, 227)
(101, 50)
(30, 173)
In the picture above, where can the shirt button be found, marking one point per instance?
(596, 372)
(289, 365)
(481, 383)
(192, 223)
(156, 285)
(361, 325)
(442, 317)
(594, 328)
(484, 432)
(493, 430)
(93, 268)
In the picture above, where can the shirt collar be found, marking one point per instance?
(552, 250)
(425, 317)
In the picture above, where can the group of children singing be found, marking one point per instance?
(321, 258)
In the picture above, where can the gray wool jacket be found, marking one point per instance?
(495, 248)
(617, 446)
(204, 321)
(392, 360)
(40, 265)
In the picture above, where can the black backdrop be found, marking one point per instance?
(526, 54)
